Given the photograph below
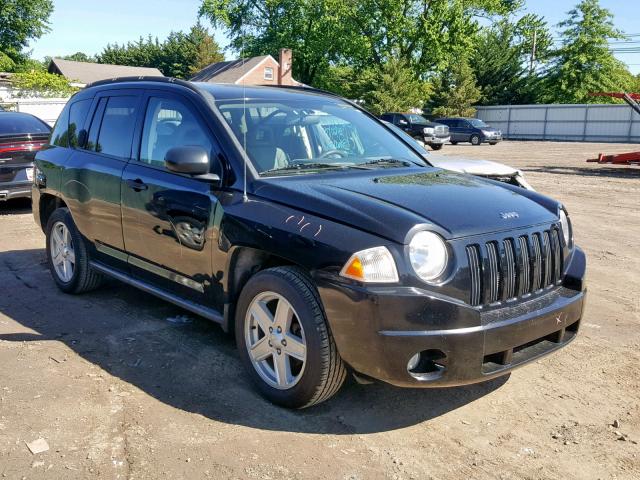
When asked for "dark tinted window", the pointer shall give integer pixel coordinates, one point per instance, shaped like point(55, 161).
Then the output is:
point(168, 124)
point(59, 136)
point(77, 116)
point(116, 129)
point(11, 123)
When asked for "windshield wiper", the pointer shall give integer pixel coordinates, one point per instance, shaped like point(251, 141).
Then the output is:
point(386, 161)
point(304, 166)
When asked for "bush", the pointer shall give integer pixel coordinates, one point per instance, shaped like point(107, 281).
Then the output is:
point(42, 84)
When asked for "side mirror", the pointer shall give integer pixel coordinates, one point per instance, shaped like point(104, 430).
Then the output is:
point(190, 160)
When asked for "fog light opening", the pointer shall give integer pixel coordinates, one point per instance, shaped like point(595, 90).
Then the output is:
point(427, 365)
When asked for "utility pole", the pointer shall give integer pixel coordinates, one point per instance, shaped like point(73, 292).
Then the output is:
point(533, 52)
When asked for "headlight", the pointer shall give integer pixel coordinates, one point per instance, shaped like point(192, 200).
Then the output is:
point(428, 131)
point(374, 265)
point(566, 226)
point(428, 255)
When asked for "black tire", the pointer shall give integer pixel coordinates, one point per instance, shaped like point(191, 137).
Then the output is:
point(437, 146)
point(324, 372)
point(84, 278)
point(453, 143)
point(475, 140)
point(493, 143)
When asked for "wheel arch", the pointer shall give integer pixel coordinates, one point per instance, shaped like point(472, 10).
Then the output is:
point(244, 262)
point(48, 204)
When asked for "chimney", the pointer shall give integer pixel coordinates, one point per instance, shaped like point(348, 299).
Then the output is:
point(286, 64)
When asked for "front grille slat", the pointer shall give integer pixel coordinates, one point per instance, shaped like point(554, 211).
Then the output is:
point(509, 268)
point(546, 248)
point(525, 266)
point(494, 271)
point(537, 263)
point(475, 272)
point(557, 256)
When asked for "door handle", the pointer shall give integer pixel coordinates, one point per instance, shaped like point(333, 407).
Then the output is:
point(137, 185)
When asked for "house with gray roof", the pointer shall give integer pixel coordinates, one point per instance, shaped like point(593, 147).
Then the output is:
point(261, 70)
point(84, 73)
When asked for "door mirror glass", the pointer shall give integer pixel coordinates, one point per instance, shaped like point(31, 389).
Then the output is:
point(190, 160)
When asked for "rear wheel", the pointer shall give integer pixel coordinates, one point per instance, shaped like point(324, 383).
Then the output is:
point(67, 255)
point(493, 143)
point(453, 143)
point(437, 146)
point(284, 340)
point(475, 139)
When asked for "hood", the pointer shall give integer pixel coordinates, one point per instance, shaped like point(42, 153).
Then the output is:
point(390, 202)
point(472, 167)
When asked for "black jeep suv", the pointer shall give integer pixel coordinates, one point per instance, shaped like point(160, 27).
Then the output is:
point(306, 226)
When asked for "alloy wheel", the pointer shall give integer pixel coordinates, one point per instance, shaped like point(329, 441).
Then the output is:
point(63, 255)
point(275, 340)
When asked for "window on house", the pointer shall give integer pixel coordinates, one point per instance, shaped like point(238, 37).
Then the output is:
point(268, 73)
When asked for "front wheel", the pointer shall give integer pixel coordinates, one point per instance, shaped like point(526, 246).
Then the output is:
point(284, 340)
point(437, 146)
point(475, 140)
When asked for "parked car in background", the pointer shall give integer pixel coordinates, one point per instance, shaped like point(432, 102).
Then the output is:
point(304, 224)
point(433, 134)
point(480, 168)
point(21, 136)
point(471, 130)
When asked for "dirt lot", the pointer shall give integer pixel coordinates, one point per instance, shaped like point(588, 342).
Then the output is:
point(122, 385)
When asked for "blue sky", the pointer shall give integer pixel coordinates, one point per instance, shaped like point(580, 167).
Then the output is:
point(89, 25)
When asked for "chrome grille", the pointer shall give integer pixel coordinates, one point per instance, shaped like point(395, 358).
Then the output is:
point(514, 267)
point(442, 130)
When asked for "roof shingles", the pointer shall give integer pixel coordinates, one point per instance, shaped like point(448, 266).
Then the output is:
point(85, 72)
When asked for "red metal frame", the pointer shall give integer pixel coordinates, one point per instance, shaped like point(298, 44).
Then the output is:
point(631, 158)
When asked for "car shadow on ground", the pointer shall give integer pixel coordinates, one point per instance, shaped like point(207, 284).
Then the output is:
point(15, 207)
point(189, 363)
point(594, 171)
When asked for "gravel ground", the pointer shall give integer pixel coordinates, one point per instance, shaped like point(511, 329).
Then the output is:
point(122, 385)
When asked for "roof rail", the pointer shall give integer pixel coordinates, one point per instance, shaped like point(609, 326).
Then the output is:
point(176, 81)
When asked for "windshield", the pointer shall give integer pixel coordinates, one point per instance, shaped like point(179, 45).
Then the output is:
point(309, 134)
point(476, 122)
point(407, 138)
point(417, 119)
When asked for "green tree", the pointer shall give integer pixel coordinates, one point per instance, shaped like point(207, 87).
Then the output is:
point(426, 35)
point(318, 31)
point(80, 57)
point(20, 22)
point(501, 60)
point(455, 92)
point(584, 63)
point(393, 87)
point(180, 55)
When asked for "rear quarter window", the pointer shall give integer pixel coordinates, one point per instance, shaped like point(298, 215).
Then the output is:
point(69, 123)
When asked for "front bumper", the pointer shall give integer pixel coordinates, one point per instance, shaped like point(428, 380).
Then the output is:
point(495, 138)
point(433, 140)
point(379, 329)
